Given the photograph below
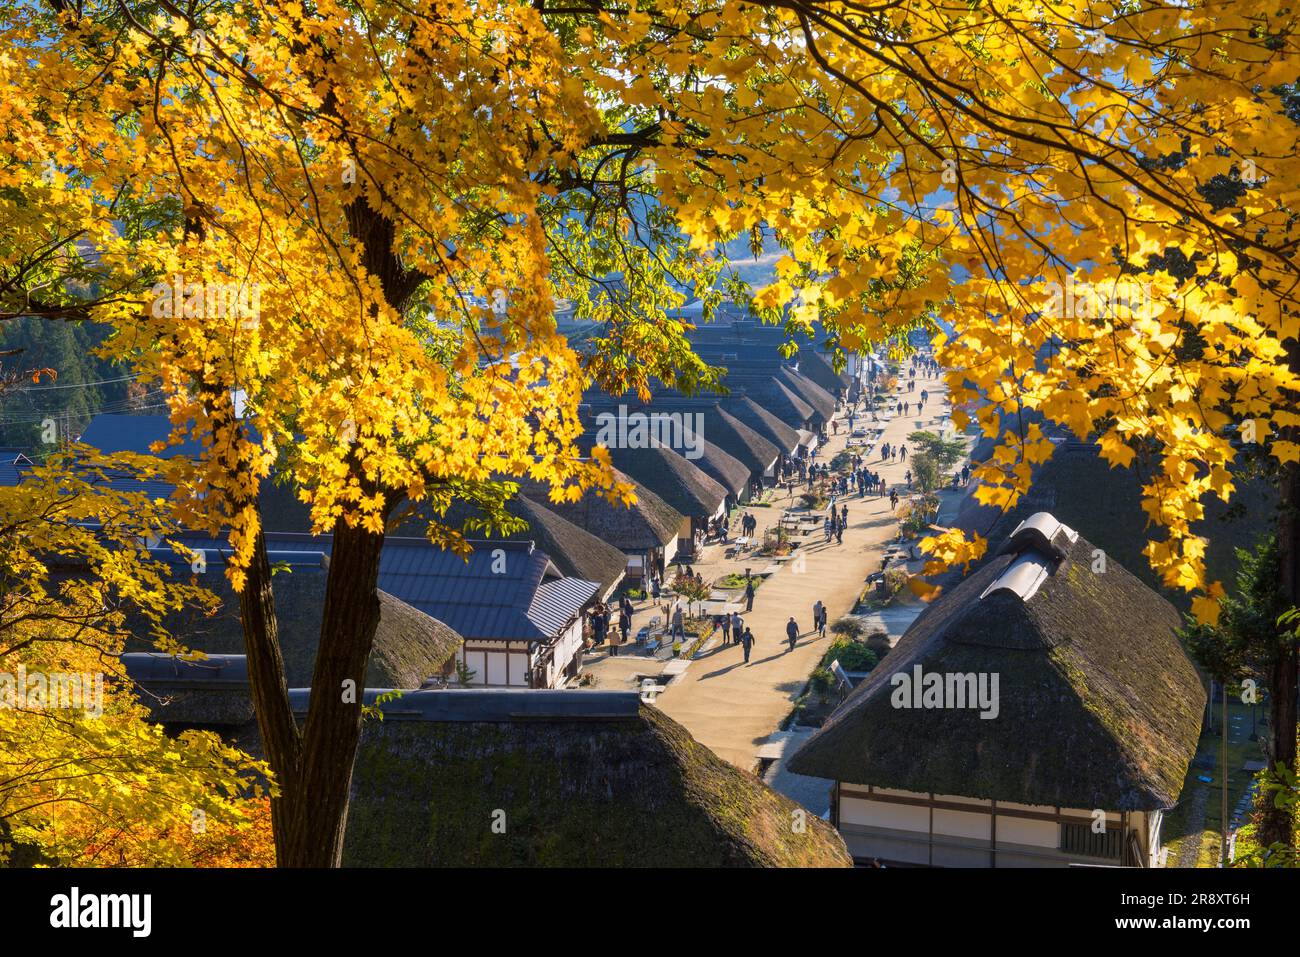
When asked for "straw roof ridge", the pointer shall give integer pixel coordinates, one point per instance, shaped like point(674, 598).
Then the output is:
point(1099, 705)
point(772, 428)
point(650, 522)
point(674, 478)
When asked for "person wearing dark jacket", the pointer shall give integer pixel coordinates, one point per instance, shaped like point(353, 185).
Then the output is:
point(747, 642)
point(749, 594)
point(792, 632)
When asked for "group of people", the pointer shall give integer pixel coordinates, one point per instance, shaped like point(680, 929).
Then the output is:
point(734, 629)
point(748, 524)
point(816, 473)
point(599, 617)
point(835, 523)
point(890, 452)
point(792, 632)
point(924, 365)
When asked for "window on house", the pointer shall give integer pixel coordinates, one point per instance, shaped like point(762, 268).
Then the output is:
point(1080, 839)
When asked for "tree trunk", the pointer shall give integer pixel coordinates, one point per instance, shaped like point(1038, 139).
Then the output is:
point(268, 685)
point(333, 727)
point(314, 767)
point(270, 691)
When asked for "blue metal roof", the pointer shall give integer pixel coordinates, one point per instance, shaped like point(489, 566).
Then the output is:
point(135, 433)
point(557, 601)
point(505, 591)
point(13, 463)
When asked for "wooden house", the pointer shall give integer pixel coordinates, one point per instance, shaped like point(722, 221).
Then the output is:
point(1074, 757)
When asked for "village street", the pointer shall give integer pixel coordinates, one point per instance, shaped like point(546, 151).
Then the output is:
point(733, 707)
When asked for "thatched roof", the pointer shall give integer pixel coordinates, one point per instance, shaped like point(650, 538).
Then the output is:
point(409, 645)
point(673, 478)
point(744, 408)
point(740, 441)
point(1105, 505)
point(648, 523)
point(823, 402)
point(584, 778)
point(816, 365)
point(773, 394)
point(1099, 706)
point(576, 552)
point(721, 428)
point(724, 468)
point(715, 462)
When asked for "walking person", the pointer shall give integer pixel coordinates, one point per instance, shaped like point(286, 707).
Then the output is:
point(893, 498)
point(749, 594)
point(747, 643)
point(679, 623)
point(791, 632)
point(726, 630)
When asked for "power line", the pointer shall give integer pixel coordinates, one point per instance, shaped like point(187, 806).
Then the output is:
point(77, 385)
point(117, 405)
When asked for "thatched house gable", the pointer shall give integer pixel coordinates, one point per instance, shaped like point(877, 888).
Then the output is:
point(1104, 503)
point(576, 552)
point(785, 437)
point(674, 479)
point(776, 396)
point(817, 366)
point(822, 402)
point(724, 468)
point(1099, 706)
point(720, 427)
point(649, 523)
